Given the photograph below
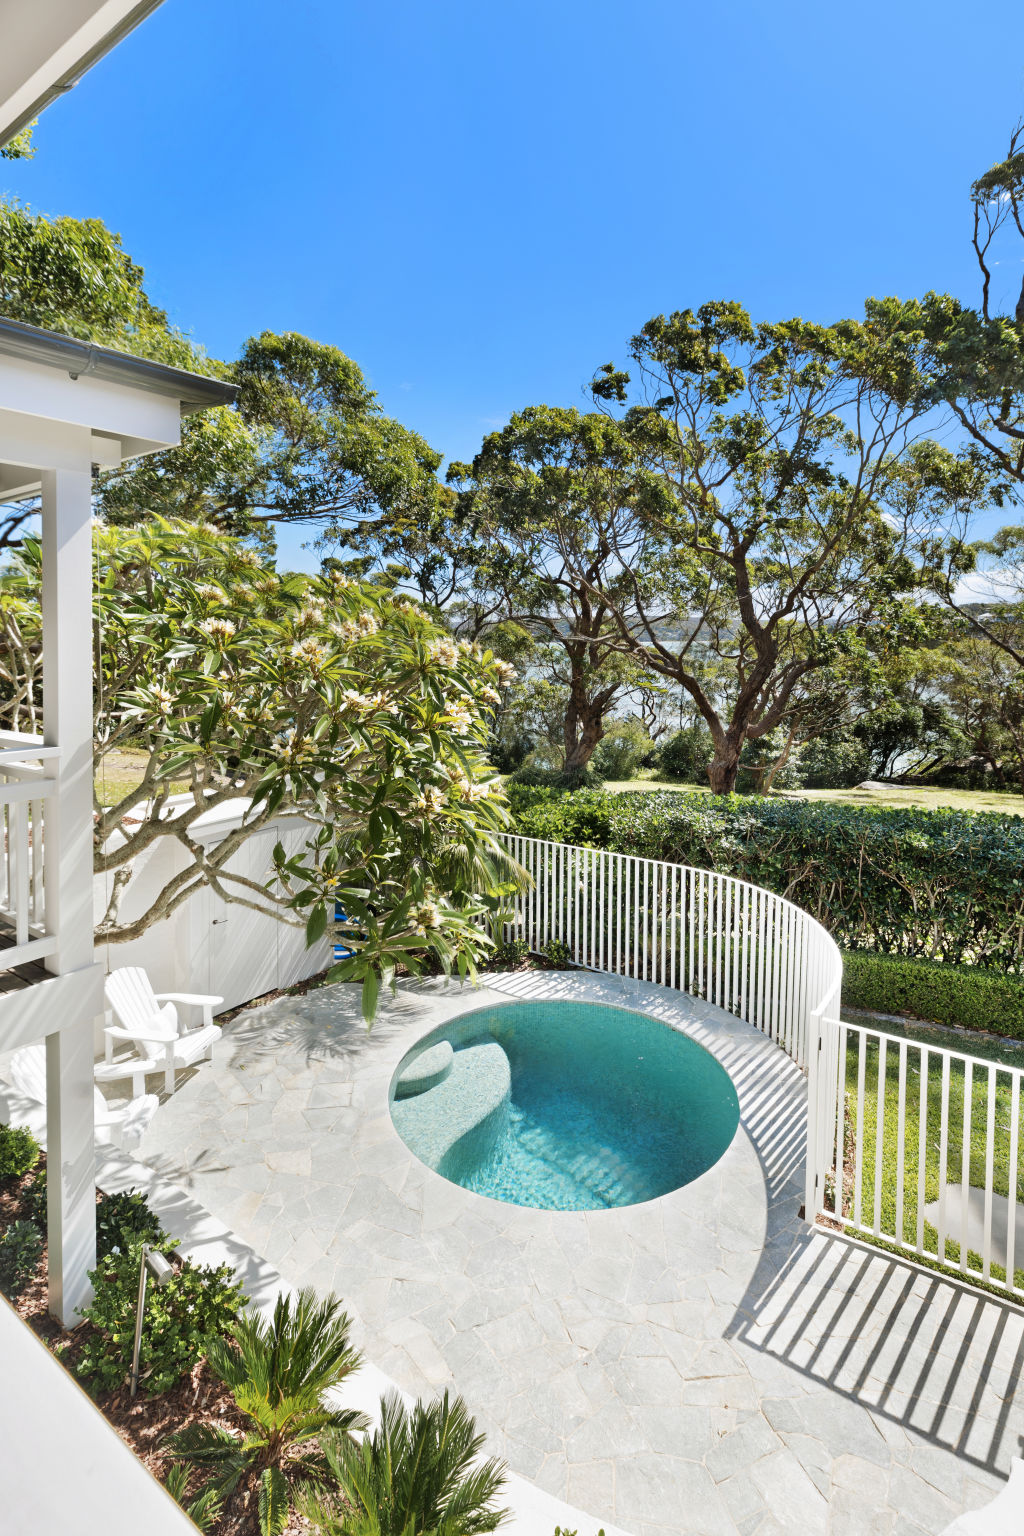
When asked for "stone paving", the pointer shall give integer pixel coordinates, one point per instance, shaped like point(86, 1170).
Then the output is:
point(703, 1363)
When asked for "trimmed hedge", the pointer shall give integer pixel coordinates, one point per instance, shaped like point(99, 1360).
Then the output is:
point(963, 995)
point(944, 885)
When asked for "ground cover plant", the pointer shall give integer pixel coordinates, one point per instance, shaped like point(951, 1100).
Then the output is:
point(939, 884)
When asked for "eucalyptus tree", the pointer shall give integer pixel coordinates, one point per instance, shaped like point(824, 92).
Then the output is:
point(780, 534)
point(553, 504)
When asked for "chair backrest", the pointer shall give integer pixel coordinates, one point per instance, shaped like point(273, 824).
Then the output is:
point(28, 1071)
point(131, 996)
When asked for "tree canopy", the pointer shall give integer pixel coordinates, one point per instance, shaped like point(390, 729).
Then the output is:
point(306, 697)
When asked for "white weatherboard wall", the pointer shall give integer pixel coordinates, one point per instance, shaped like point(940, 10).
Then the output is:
point(209, 945)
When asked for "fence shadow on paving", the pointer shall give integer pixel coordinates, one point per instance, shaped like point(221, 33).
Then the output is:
point(934, 1357)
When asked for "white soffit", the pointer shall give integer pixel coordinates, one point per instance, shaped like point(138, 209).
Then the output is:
point(47, 45)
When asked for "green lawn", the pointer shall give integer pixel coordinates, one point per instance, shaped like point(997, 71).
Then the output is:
point(933, 1127)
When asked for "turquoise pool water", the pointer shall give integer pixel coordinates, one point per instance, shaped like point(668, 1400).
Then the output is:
point(565, 1106)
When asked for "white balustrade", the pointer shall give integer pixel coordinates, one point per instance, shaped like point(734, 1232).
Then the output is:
point(890, 1152)
point(26, 791)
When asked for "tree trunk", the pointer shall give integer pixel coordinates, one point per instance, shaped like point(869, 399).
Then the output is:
point(723, 769)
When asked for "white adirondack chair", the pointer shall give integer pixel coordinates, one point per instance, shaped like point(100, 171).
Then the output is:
point(121, 1124)
point(148, 1022)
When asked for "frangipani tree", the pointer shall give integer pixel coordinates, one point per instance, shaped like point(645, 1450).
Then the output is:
point(300, 696)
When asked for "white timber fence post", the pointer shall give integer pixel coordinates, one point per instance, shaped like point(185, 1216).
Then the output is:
point(67, 724)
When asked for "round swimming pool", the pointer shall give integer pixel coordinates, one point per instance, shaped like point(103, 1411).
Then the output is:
point(563, 1106)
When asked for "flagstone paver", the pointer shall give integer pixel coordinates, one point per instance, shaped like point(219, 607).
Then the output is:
point(702, 1363)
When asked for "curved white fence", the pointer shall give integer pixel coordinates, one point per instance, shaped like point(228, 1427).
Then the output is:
point(743, 948)
point(915, 1147)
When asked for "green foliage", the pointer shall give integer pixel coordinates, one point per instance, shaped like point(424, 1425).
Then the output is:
point(686, 755)
point(558, 953)
point(33, 1201)
point(204, 1510)
point(278, 1371)
point(622, 750)
point(965, 996)
point(21, 146)
point(510, 954)
point(418, 1474)
point(827, 763)
point(556, 778)
point(947, 885)
point(183, 1318)
point(72, 275)
point(123, 1221)
point(19, 1151)
point(310, 695)
point(21, 1245)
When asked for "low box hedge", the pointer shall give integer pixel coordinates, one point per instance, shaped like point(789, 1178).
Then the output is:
point(963, 995)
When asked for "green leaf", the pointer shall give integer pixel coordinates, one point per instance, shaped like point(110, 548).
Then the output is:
point(316, 924)
point(273, 1502)
point(371, 988)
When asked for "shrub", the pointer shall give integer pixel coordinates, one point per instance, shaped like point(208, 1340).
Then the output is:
point(419, 1471)
point(557, 778)
point(962, 995)
point(943, 884)
point(198, 1304)
point(510, 954)
point(279, 1371)
point(19, 1152)
point(557, 953)
point(123, 1221)
point(825, 764)
point(622, 750)
point(686, 755)
point(20, 1247)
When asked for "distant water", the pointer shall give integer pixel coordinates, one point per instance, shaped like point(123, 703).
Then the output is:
point(606, 1107)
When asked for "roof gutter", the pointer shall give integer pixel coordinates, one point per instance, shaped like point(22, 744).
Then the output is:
point(71, 77)
point(196, 391)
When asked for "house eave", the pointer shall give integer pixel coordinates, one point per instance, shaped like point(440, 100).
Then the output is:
point(81, 359)
point(78, 52)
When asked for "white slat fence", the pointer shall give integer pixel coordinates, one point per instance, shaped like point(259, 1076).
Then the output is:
point(908, 1174)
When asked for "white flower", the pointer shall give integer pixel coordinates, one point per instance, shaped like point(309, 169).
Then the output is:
point(217, 629)
point(506, 673)
point(444, 652)
point(490, 695)
point(355, 700)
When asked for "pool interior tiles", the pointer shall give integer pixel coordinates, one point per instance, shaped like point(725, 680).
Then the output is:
point(565, 1106)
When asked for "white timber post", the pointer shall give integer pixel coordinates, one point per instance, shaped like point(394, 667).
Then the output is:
point(67, 724)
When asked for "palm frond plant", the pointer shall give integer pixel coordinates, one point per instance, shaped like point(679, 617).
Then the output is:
point(278, 1371)
point(418, 1474)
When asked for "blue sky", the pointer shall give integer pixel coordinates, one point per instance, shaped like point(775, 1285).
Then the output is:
point(481, 202)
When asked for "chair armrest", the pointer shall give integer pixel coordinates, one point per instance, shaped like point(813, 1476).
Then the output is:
point(187, 997)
